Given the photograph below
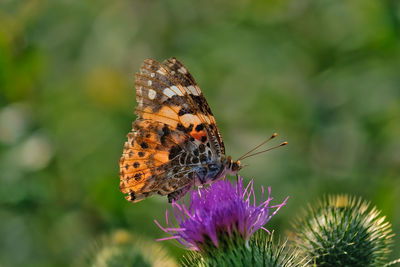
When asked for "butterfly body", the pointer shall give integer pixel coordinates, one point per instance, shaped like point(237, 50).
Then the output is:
point(175, 143)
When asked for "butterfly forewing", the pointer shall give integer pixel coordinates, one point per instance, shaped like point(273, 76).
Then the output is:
point(183, 77)
point(173, 135)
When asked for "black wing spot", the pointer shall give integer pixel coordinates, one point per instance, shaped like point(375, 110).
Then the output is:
point(141, 154)
point(132, 195)
point(136, 164)
point(137, 176)
point(144, 145)
point(182, 128)
point(175, 100)
point(199, 127)
point(165, 132)
point(184, 111)
point(202, 148)
point(203, 158)
point(173, 152)
point(208, 144)
point(203, 138)
point(163, 140)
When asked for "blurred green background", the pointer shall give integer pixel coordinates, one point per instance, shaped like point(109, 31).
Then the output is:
point(323, 74)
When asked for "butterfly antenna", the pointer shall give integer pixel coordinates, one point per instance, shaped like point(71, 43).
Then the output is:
point(283, 144)
point(270, 138)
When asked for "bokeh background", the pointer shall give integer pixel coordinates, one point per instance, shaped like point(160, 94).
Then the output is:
point(324, 74)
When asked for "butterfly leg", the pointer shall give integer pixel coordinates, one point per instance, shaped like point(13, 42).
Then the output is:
point(178, 194)
point(198, 189)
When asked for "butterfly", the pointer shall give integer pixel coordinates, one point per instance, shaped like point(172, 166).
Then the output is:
point(175, 143)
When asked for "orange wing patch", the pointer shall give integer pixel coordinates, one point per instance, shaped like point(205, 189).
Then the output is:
point(198, 132)
point(166, 115)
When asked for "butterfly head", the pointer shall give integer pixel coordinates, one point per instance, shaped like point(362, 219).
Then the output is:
point(236, 166)
point(232, 166)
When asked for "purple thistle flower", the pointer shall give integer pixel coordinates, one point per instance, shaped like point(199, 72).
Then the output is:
point(219, 214)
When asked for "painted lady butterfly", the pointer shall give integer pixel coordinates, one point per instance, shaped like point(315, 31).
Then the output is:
point(175, 143)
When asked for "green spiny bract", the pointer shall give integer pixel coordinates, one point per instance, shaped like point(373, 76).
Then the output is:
point(343, 231)
point(261, 250)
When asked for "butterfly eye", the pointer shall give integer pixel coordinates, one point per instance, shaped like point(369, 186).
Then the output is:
point(236, 166)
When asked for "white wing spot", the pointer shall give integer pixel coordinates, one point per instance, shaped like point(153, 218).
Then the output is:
point(182, 70)
point(149, 83)
point(152, 74)
point(173, 90)
point(161, 71)
point(152, 94)
point(192, 90)
point(168, 92)
point(177, 90)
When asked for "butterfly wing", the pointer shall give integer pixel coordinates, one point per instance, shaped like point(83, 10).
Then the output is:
point(183, 77)
point(173, 135)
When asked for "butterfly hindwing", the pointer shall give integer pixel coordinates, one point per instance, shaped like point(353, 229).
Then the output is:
point(146, 158)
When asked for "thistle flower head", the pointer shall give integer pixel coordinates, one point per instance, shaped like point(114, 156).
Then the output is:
point(122, 248)
point(220, 215)
point(344, 231)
